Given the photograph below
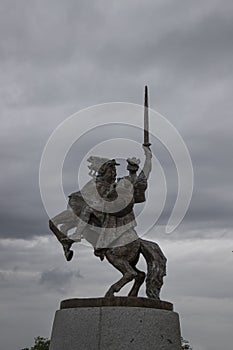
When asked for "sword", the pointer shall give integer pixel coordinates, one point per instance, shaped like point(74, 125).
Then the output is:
point(146, 142)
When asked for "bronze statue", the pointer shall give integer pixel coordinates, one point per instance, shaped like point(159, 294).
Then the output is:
point(102, 213)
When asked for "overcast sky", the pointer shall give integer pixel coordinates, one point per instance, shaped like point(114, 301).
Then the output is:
point(58, 57)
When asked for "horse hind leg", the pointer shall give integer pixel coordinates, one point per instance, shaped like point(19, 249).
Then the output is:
point(139, 279)
point(128, 275)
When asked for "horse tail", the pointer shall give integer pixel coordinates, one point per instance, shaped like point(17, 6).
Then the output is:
point(156, 267)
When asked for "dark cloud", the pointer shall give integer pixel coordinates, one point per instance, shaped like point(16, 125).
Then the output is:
point(57, 58)
point(58, 279)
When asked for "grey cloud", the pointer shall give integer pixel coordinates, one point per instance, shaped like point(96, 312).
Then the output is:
point(58, 57)
point(201, 45)
point(58, 279)
point(44, 33)
point(32, 282)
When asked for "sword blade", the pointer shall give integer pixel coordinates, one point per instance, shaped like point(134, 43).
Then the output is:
point(146, 119)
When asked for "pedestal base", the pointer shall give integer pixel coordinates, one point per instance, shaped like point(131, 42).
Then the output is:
point(98, 324)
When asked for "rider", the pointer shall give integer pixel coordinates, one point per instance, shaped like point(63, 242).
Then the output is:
point(113, 224)
point(120, 224)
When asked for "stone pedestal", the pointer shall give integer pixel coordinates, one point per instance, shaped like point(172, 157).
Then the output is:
point(119, 323)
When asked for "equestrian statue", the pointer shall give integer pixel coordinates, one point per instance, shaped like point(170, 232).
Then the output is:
point(102, 213)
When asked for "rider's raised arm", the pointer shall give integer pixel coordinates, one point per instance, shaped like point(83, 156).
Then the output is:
point(147, 165)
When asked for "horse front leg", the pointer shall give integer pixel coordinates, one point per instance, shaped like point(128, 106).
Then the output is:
point(116, 287)
point(128, 275)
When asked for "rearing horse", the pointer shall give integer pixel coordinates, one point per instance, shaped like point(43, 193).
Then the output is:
point(125, 258)
point(122, 253)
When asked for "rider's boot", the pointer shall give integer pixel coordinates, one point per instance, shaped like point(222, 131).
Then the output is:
point(67, 243)
point(63, 239)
